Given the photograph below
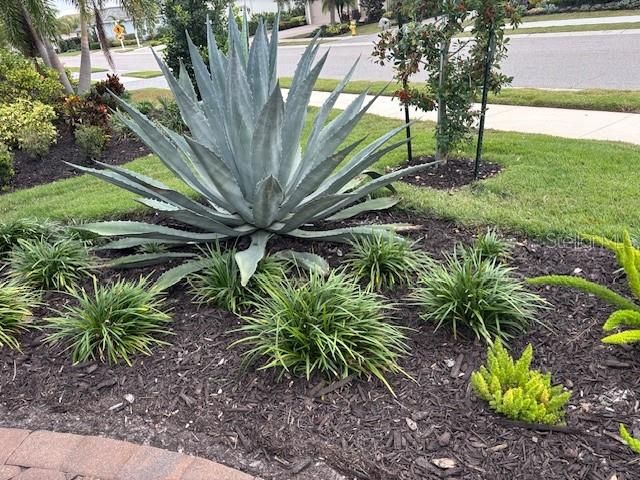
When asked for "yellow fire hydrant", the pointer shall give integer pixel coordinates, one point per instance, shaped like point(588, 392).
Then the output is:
point(352, 26)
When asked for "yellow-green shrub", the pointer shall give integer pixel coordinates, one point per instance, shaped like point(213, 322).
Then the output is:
point(6, 165)
point(632, 442)
point(628, 313)
point(515, 391)
point(24, 120)
point(20, 79)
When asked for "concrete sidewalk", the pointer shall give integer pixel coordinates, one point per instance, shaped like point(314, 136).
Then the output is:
point(559, 122)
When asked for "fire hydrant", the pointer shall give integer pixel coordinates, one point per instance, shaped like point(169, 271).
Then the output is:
point(352, 26)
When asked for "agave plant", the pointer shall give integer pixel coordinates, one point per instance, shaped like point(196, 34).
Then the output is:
point(244, 160)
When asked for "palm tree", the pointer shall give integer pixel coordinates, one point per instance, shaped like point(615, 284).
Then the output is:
point(332, 5)
point(29, 26)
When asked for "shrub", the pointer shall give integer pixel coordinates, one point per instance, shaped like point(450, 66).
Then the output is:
point(514, 390)
point(16, 302)
point(632, 442)
point(373, 9)
point(168, 115)
point(113, 323)
point(25, 229)
point(490, 246)
point(81, 111)
point(628, 313)
point(27, 125)
point(145, 107)
point(6, 166)
point(326, 325)
point(99, 92)
point(19, 79)
point(55, 265)
point(331, 30)
point(384, 262)
point(479, 295)
point(243, 159)
point(219, 283)
point(91, 139)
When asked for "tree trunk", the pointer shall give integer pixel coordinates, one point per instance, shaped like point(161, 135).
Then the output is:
point(37, 39)
point(332, 13)
point(442, 145)
point(84, 82)
point(57, 64)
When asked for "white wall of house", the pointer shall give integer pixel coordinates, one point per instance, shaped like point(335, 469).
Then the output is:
point(259, 6)
point(315, 15)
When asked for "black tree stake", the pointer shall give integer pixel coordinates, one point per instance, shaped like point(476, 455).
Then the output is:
point(406, 107)
point(485, 93)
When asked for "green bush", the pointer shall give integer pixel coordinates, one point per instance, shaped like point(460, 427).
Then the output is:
point(50, 265)
point(491, 246)
point(219, 283)
point(331, 30)
point(628, 313)
point(6, 166)
point(27, 125)
point(19, 79)
point(168, 115)
point(326, 325)
point(514, 390)
point(475, 294)
point(16, 302)
point(384, 262)
point(112, 323)
point(145, 107)
point(26, 229)
point(91, 139)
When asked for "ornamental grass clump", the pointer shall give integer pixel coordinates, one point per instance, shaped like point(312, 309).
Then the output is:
point(628, 313)
point(25, 229)
point(327, 325)
point(517, 392)
point(111, 323)
point(491, 246)
point(384, 262)
point(16, 302)
point(219, 283)
point(50, 265)
point(250, 172)
point(482, 296)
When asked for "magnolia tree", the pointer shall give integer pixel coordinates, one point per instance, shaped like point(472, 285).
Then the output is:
point(453, 67)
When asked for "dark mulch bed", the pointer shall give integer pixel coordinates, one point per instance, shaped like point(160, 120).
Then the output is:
point(454, 173)
point(31, 171)
point(194, 397)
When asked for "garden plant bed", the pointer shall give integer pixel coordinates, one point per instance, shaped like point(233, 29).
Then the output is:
point(193, 396)
point(454, 173)
point(31, 171)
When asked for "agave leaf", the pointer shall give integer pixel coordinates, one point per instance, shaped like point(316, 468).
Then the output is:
point(248, 259)
point(346, 235)
point(146, 259)
point(381, 203)
point(184, 80)
point(266, 143)
point(310, 261)
point(175, 275)
point(127, 243)
point(268, 199)
point(147, 230)
point(258, 66)
point(310, 209)
point(217, 61)
point(273, 52)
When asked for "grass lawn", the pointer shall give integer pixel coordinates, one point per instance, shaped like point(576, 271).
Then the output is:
point(150, 94)
point(93, 69)
point(575, 28)
point(143, 74)
point(608, 100)
point(573, 15)
point(549, 186)
point(366, 29)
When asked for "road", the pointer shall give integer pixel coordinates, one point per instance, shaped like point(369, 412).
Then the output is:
point(555, 60)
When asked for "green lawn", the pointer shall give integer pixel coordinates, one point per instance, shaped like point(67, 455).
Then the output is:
point(608, 100)
point(549, 186)
point(93, 69)
point(143, 74)
point(573, 15)
point(575, 28)
point(150, 94)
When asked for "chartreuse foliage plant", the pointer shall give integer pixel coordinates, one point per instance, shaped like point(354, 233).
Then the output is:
point(632, 442)
point(50, 265)
point(218, 283)
point(28, 125)
point(628, 313)
point(244, 159)
point(16, 302)
point(326, 324)
point(479, 295)
point(383, 262)
point(111, 323)
point(514, 390)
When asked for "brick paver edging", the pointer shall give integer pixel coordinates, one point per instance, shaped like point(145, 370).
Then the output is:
point(44, 455)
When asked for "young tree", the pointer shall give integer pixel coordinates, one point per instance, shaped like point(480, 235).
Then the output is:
point(191, 16)
point(453, 67)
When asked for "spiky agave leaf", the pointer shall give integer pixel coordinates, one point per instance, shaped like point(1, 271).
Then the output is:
point(244, 156)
